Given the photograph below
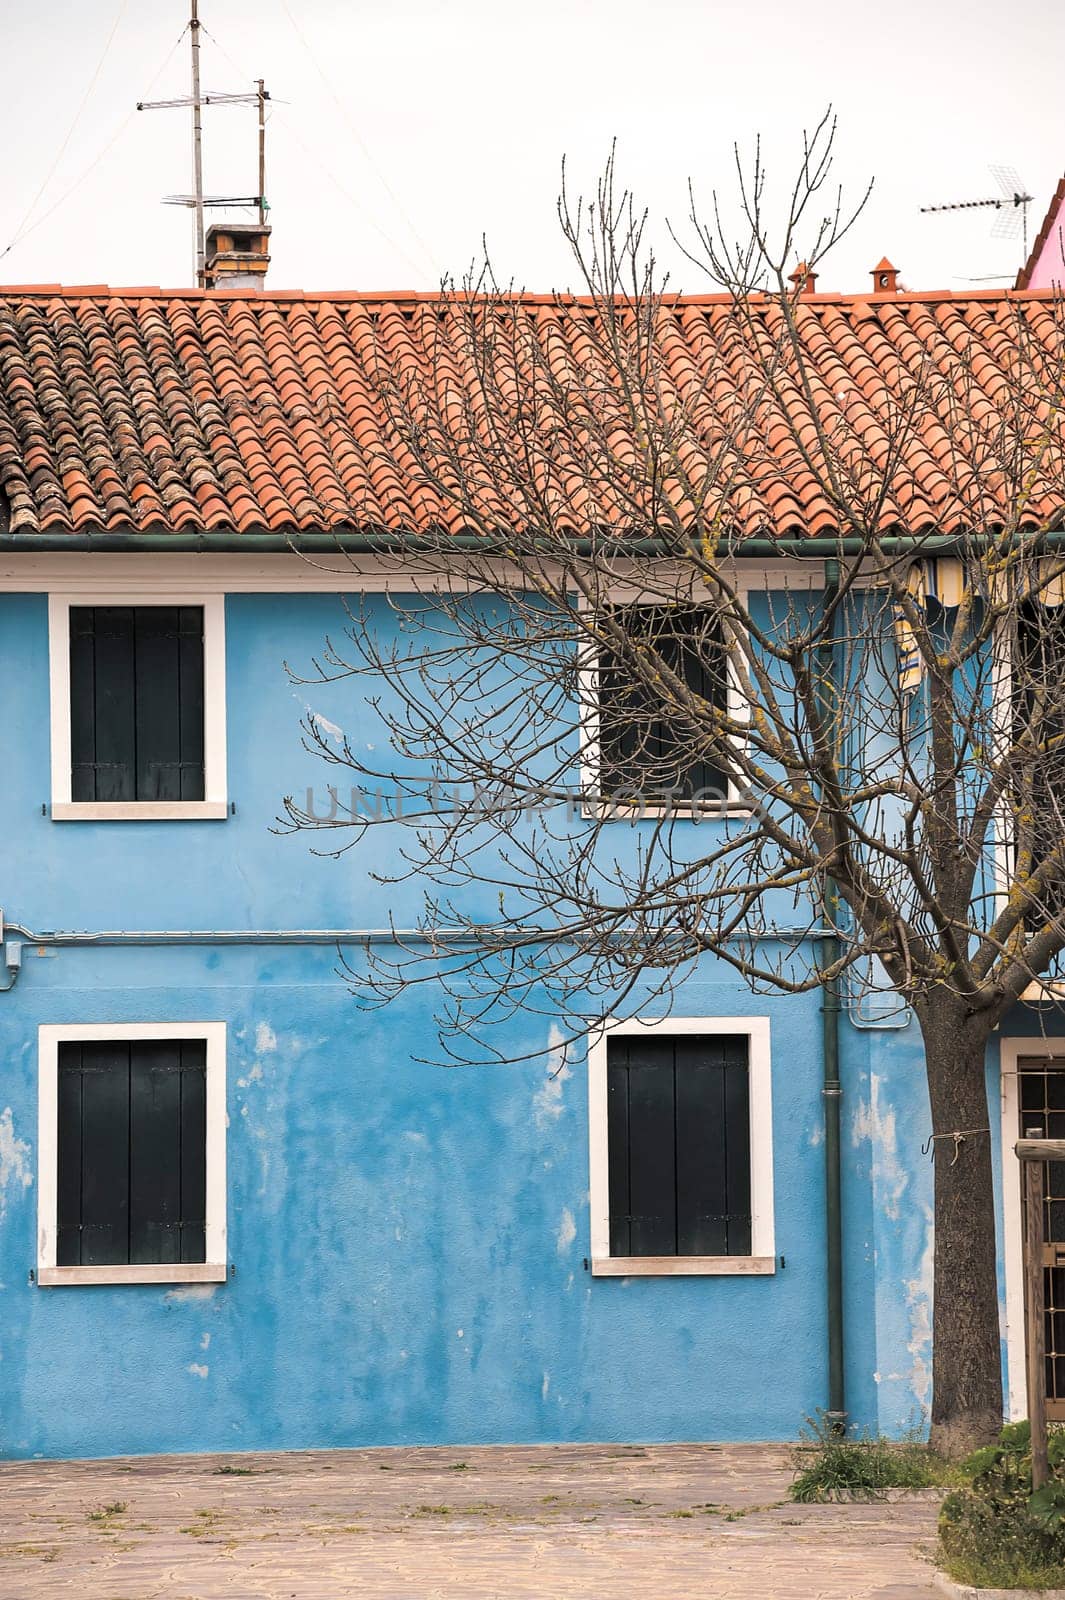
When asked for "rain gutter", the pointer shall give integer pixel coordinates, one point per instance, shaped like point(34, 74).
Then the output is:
point(383, 542)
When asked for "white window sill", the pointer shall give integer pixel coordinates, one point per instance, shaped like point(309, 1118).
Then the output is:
point(683, 1266)
point(1048, 989)
point(140, 810)
point(162, 1272)
point(623, 811)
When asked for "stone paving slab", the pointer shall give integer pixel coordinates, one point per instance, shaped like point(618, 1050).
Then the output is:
point(661, 1522)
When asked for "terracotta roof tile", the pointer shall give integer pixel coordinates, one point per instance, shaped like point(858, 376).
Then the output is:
point(242, 411)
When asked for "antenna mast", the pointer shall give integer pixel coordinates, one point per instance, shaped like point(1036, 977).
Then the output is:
point(262, 98)
point(198, 202)
point(197, 140)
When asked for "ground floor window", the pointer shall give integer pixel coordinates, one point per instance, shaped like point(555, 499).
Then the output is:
point(132, 1153)
point(681, 1147)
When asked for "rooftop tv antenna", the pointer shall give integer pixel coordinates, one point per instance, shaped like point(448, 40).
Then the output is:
point(1011, 205)
point(198, 202)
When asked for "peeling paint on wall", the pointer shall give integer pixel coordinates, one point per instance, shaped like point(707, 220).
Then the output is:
point(14, 1159)
point(322, 724)
point(548, 1101)
point(567, 1232)
point(876, 1123)
point(196, 1370)
point(919, 1308)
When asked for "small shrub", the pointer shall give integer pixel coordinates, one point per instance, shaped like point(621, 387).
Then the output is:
point(995, 1533)
point(103, 1513)
point(832, 1465)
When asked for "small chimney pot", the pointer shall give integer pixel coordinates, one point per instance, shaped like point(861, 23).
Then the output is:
point(885, 277)
point(804, 279)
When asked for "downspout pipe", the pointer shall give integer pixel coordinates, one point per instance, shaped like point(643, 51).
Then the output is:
point(832, 1093)
point(831, 1087)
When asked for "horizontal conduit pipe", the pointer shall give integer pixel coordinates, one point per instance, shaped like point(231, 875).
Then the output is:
point(317, 936)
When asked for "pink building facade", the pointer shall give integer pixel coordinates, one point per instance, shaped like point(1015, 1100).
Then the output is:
point(1045, 267)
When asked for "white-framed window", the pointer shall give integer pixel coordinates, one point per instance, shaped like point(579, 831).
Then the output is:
point(681, 1147)
point(138, 706)
point(626, 764)
point(131, 1153)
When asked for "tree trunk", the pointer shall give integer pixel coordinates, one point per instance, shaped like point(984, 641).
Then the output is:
point(966, 1352)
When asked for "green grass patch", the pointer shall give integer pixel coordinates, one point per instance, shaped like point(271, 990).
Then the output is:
point(831, 1464)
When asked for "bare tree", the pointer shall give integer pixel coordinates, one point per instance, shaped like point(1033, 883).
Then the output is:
point(826, 772)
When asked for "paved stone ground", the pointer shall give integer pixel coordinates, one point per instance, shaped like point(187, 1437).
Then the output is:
point(676, 1522)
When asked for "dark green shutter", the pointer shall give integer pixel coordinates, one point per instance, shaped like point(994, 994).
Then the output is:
point(1041, 660)
point(131, 1167)
point(678, 1145)
point(137, 703)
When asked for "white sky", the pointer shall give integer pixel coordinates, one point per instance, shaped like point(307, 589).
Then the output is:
point(414, 126)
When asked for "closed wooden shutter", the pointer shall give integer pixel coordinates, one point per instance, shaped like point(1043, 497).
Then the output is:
point(1038, 676)
point(136, 702)
point(641, 750)
point(132, 1182)
point(678, 1146)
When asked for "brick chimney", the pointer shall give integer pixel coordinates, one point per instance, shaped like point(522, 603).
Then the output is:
point(885, 278)
point(237, 255)
point(804, 279)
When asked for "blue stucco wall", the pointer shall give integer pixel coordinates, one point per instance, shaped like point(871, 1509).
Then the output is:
point(407, 1240)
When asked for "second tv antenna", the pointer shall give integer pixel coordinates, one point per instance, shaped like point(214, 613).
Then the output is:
point(1011, 205)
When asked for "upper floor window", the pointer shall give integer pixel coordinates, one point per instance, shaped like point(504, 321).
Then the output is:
point(1037, 707)
point(138, 708)
point(646, 755)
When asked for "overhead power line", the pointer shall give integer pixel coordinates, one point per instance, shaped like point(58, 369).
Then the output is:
point(338, 183)
point(83, 102)
point(355, 131)
point(27, 227)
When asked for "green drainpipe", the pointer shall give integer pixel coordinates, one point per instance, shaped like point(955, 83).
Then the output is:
point(831, 1093)
point(831, 1090)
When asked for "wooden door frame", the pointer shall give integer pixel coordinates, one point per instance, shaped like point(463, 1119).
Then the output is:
point(1011, 1049)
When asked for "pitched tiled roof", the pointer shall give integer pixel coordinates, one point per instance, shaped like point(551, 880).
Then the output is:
point(197, 412)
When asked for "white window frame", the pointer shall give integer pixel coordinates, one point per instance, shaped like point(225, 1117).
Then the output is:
point(215, 804)
point(211, 1270)
point(603, 807)
point(1003, 838)
point(762, 1259)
